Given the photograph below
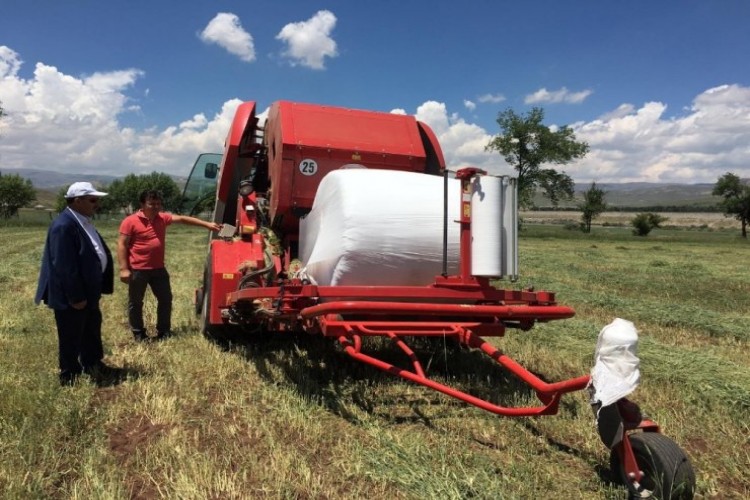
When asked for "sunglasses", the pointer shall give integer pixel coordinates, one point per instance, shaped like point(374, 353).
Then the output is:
point(91, 199)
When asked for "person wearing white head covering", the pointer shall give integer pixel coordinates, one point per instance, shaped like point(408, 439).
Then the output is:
point(77, 268)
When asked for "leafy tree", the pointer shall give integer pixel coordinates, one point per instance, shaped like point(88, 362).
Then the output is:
point(125, 193)
point(592, 206)
point(527, 144)
point(736, 200)
point(645, 222)
point(60, 202)
point(15, 192)
point(105, 204)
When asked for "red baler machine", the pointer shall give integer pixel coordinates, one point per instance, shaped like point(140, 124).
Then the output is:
point(267, 181)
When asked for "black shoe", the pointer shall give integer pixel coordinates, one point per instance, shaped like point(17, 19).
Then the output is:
point(103, 374)
point(164, 336)
point(141, 337)
point(98, 368)
point(68, 379)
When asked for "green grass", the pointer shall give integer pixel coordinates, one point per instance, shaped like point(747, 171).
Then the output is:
point(294, 417)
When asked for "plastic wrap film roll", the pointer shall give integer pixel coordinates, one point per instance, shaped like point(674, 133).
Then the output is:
point(616, 365)
point(379, 227)
point(494, 227)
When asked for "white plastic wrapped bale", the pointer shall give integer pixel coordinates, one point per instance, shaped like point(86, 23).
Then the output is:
point(379, 227)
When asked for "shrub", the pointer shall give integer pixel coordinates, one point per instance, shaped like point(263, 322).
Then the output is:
point(645, 222)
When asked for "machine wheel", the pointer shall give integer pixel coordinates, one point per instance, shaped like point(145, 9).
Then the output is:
point(199, 301)
point(212, 332)
point(205, 325)
point(666, 468)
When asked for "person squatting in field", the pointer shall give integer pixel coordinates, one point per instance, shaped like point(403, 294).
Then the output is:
point(140, 253)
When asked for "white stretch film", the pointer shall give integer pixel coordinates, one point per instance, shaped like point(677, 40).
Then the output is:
point(510, 228)
point(486, 226)
point(379, 227)
point(615, 373)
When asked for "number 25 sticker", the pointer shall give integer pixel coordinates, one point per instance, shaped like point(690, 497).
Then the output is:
point(308, 167)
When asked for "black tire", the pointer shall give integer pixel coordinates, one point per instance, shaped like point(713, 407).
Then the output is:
point(205, 325)
point(667, 471)
point(199, 301)
point(211, 332)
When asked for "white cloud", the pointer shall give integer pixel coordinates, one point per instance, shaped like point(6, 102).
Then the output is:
point(198, 121)
point(491, 98)
point(556, 96)
point(174, 149)
point(470, 105)
point(10, 62)
point(63, 123)
point(225, 30)
point(462, 143)
point(629, 144)
point(622, 110)
point(309, 42)
point(66, 123)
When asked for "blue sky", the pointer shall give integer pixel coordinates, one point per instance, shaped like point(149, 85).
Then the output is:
point(659, 90)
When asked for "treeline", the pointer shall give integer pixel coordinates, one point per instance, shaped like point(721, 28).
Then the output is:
point(649, 208)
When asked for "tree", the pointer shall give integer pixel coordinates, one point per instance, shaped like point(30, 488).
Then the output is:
point(15, 192)
point(60, 202)
point(593, 204)
point(526, 144)
point(105, 205)
point(736, 200)
point(125, 193)
point(645, 222)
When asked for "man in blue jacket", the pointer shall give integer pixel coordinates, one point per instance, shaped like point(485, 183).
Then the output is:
point(76, 270)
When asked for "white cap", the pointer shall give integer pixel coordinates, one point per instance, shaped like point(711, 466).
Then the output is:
point(82, 189)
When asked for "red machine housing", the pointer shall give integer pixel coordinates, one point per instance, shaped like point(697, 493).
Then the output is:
point(304, 142)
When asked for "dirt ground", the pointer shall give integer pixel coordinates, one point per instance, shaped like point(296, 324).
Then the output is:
point(680, 219)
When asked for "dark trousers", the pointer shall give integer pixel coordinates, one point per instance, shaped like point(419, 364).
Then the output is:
point(158, 280)
point(79, 334)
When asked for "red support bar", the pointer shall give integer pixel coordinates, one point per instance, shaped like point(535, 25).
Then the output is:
point(444, 290)
point(412, 357)
point(510, 312)
point(539, 385)
point(548, 409)
point(549, 394)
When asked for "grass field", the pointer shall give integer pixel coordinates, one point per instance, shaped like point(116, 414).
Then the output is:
point(293, 417)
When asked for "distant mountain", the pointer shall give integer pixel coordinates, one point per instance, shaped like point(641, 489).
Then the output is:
point(627, 194)
point(43, 179)
point(646, 194)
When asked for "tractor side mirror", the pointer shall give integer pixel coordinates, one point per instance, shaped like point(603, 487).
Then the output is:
point(211, 170)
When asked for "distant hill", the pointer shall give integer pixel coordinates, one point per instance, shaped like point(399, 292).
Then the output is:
point(48, 184)
point(636, 194)
point(619, 195)
point(43, 179)
point(646, 194)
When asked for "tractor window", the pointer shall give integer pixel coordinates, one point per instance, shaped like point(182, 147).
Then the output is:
point(200, 190)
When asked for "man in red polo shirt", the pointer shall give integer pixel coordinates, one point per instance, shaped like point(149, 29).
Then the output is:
point(140, 252)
